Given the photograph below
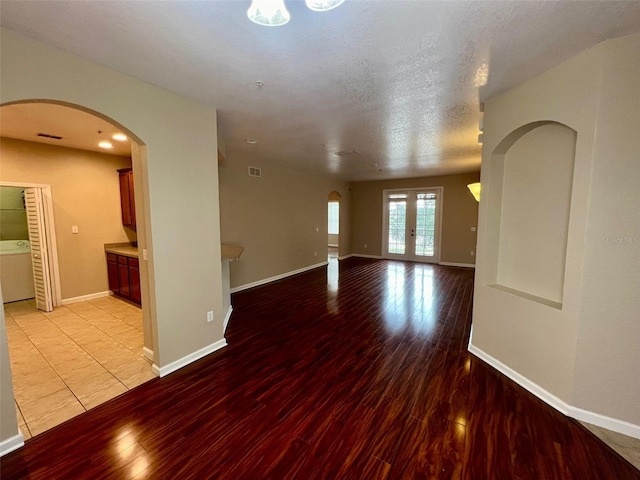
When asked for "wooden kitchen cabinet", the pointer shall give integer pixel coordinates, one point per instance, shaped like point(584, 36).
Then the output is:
point(134, 280)
point(112, 270)
point(124, 276)
point(127, 199)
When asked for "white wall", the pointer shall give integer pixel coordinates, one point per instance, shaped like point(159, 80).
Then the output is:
point(579, 358)
point(180, 183)
point(608, 349)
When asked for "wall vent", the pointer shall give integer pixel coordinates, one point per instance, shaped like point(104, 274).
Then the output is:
point(47, 135)
point(255, 172)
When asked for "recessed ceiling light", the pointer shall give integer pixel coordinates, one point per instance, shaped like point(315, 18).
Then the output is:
point(251, 141)
point(105, 144)
point(121, 137)
point(259, 84)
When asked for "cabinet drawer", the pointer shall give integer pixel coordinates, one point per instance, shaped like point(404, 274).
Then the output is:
point(133, 262)
point(112, 257)
point(122, 259)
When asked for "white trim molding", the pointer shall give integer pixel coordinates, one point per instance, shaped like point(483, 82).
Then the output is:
point(344, 257)
point(603, 421)
point(12, 443)
point(227, 317)
point(454, 264)
point(82, 298)
point(563, 407)
point(148, 353)
point(187, 359)
point(277, 277)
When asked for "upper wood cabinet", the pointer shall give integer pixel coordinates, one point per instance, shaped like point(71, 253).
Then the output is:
point(127, 199)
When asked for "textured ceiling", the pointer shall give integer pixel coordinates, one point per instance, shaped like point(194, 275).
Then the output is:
point(393, 85)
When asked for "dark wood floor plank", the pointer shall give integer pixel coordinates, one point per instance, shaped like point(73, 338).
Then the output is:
point(364, 376)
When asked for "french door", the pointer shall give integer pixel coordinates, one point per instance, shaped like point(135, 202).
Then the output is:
point(411, 229)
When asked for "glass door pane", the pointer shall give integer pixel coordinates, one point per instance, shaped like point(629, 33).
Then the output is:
point(425, 224)
point(397, 223)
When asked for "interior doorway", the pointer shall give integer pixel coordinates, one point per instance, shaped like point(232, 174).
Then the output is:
point(333, 216)
point(72, 350)
point(412, 224)
point(27, 212)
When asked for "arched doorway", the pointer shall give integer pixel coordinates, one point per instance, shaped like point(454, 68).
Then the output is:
point(106, 372)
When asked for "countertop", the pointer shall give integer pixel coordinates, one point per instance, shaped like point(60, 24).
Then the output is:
point(229, 252)
point(125, 251)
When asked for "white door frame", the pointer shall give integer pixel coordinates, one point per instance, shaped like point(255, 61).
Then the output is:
point(51, 245)
point(438, 225)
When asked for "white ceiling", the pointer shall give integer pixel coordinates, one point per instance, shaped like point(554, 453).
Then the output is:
point(395, 81)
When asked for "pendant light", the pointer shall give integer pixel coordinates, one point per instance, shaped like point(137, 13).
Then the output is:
point(475, 188)
point(323, 5)
point(270, 13)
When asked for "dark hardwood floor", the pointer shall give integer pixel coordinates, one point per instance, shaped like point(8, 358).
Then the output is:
point(365, 376)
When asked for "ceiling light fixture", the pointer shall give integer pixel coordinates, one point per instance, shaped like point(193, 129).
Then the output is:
point(120, 137)
point(105, 144)
point(251, 141)
point(323, 5)
point(269, 13)
point(273, 13)
point(474, 188)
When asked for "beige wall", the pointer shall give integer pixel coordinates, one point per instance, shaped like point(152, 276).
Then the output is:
point(179, 176)
point(460, 213)
point(530, 198)
point(581, 357)
point(280, 218)
point(86, 193)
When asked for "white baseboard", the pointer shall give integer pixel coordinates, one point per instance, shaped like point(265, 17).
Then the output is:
point(603, 421)
point(227, 317)
point(593, 418)
point(187, 359)
point(82, 298)
point(11, 444)
point(344, 257)
point(333, 245)
point(277, 277)
point(148, 353)
point(454, 264)
point(362, 255)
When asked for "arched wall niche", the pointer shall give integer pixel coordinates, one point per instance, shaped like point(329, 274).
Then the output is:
point(529, 200)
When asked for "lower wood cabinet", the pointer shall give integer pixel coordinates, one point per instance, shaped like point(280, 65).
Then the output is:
point(124, 276)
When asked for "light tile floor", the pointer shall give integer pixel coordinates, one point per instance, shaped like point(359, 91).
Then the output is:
point(627, 447)
point(70, 360)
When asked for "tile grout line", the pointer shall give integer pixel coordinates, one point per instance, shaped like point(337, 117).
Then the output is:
point(68, 336)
